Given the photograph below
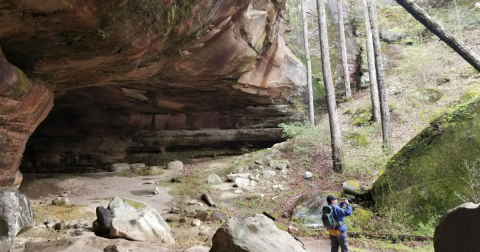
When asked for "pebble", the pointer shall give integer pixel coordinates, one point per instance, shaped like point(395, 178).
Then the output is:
point(148, 182)
point(238, 191)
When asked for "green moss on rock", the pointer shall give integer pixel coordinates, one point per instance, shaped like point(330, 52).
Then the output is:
point(423, 177)
point(424, 96)
point(358, 139)
point(469, 94)
point(362, 117)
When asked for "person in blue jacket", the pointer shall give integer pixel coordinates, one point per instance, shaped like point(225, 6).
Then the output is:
point(338, 236)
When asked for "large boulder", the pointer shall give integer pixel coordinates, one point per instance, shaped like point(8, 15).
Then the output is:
point(119, 207)
point(426, 175)
point(16, 215)
point(104, 218)
point(146, 225)
point(253, 234)
point(458, 229)
point(308, 209)
point(175, 166)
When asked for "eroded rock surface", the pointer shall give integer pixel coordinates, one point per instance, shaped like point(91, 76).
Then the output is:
point(23, 105)
point(253, 234)
point(16, 215)
point(135, 80)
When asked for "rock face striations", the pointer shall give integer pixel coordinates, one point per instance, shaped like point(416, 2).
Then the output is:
point(138, 79)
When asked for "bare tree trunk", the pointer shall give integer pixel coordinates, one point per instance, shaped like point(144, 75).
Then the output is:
point(343, 48)
point(309, 66)
point(437, 29)
point(371, 66)
point(386, 131)
point(337, 153)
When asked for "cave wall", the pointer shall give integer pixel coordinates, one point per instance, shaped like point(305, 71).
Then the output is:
point(133, 78)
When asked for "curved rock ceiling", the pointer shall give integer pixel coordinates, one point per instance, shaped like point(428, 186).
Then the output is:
point(147, 76)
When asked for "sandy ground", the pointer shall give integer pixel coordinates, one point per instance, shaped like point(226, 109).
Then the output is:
point(96, 189)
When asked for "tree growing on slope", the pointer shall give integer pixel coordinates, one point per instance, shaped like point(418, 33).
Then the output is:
point(336, 139)
point(343, 49)
point(385, 113)
point(309, 65)
point(371, 66)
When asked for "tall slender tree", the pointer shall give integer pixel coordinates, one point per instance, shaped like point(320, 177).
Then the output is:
point(343, 49)
point(309, 65)
point(436, 28)
point(386, 130)
point(371, 66)
point(336, 139)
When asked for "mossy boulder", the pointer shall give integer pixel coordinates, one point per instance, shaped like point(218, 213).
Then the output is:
point(351, 187)
point(358, 139)
point(424, 176)
point(424, 96)
point(362, 117)
point(470, 93)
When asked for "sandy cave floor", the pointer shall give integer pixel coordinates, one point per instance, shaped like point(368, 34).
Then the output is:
point(87, 191)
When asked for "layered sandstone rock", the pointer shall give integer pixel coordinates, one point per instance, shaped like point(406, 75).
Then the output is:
point(141, 78)
point(23, 105)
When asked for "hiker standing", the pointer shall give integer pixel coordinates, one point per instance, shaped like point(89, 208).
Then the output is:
point(338, 235)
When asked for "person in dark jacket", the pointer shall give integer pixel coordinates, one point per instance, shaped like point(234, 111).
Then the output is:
point(338, 236)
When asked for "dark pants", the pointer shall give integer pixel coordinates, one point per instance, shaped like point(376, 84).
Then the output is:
point(339, 240)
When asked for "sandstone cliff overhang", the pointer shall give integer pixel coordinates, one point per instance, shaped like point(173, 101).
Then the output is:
point(145, 76)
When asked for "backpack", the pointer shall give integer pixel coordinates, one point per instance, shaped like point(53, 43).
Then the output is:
point(329, 222)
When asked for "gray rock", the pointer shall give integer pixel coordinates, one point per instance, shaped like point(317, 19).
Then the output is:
point(175, 166)
point(16, 215)
point(114, 248)
point(119, 207)
point(214, 179)
point(257, 167)
point(156, 190)
point(351, 187)
point(119, 167)
point(245, 183)
point(239, 169)
point(253, 234)
point(146, 225)
point(238, 191)
point(197, 249)
point(458, 229)
point(308, 209)
point(205, 231)
point(232, 177)
point(279, 164)
point(104, 218)
point(350, 197)
point(308, 175)
point(137, 167)
point(263, 161)
point(219, 216)
point(60, 201)
point(268, 174)
point(196, 223)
